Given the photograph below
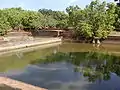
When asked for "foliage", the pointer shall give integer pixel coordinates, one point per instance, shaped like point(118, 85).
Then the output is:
point(55, 18)
point(17, 18)
point(4, 24)
point(31, 19)
point(117, 20)
point(96, 20)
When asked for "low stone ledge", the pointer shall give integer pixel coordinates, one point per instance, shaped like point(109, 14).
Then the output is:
point(24, 45)
point(18, 84)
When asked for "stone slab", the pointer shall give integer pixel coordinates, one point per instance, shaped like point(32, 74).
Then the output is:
point(17, 85)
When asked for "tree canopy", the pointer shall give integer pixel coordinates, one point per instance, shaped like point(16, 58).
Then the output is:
point(17, 18)
point(97, 19)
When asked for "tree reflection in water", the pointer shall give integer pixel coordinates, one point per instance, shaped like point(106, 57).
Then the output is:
point(96, 66)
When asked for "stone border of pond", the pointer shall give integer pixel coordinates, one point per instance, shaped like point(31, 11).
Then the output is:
point(29, 44)
point(29, 49)
point(18, 84)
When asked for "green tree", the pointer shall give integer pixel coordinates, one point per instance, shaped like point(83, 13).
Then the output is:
point(52, 18)
point(72, 10)
point(4, 24)
point(96, 20)
point(46, 12)
point(31, 19)
point(13, 16)
point(117, 20)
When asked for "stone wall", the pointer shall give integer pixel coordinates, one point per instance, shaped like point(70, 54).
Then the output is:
point(17, 84)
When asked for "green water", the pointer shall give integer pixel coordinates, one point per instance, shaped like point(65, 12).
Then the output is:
point(69, 66)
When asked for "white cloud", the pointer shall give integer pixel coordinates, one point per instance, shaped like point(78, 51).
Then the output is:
point(71, 1)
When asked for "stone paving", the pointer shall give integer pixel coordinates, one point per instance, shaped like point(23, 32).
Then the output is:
point(16, 85)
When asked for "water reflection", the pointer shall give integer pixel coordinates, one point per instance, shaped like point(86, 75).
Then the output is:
point(69, 66)
point(95, 66)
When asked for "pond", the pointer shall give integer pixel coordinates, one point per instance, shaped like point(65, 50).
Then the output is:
point(69, 66)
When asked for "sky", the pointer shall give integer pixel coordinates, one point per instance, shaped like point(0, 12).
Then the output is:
point(48, 4)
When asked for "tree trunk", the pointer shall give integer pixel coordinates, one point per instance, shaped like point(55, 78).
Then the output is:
point(93, 41)
point(98, 41)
